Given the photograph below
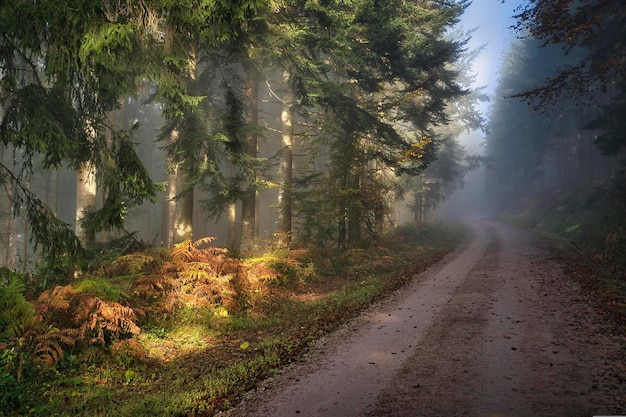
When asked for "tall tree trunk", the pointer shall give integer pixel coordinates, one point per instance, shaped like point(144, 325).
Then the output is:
point(232, 223)
point(12, 252)
point(286, 164)
point(179, 203)
point(170, 228)
point(183, 218)
point(85, 200)
point(184, 203)
point(248, 204)
point(8, 222)
point(417, 210)
point(379, 219)
point(380, 206)
point(24, 256)
point(51, 192)
point(355, 212)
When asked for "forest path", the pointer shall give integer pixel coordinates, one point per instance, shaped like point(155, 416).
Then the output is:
point(492, 330)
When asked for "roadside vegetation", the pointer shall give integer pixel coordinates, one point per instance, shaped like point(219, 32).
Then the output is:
point(587, 229)
point(185, 332)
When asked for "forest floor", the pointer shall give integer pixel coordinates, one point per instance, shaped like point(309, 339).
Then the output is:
point(195, 356)
point(498, 328)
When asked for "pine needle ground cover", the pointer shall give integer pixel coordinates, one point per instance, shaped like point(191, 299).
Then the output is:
point(186, 332)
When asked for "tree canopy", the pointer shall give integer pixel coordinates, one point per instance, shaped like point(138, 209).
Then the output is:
point(377, 76)
point(64, 65)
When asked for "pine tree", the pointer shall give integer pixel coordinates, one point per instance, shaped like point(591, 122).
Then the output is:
point(65, 66)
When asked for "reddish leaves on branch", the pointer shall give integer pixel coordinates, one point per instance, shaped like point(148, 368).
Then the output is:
point(597, 26)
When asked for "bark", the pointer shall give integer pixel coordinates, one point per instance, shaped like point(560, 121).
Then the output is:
point(166, 220)
point(183, 217)
point(8, 224)
point(379, 208)
point(184, 202)
point(248, 204)
point(232, 217)
point(286, 165)
point(379, 220)
point(418, 210)
point(355, 217)
point(179, 203)
point(85, 200)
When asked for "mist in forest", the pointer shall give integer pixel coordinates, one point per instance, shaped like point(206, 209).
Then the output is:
point(254, 152)
point(469, 199)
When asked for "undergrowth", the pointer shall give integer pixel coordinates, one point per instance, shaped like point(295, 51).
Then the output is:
point(186, 332)
point(587, 231)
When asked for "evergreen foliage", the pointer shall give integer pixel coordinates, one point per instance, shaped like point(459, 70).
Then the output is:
point(381, 76)
point(395, 84)
point(65, 65)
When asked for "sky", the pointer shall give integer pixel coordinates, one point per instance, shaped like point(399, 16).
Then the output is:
point(492, 18)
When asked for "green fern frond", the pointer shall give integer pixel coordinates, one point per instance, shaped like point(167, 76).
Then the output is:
point(16, 314)
point(101, 288)
point(194, 274)
point(134, 262)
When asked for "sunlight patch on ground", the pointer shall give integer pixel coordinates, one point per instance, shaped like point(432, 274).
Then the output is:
point(181, 341)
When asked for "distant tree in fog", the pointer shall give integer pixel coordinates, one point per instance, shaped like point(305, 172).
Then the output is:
point(595, 30)
point(596, 26)
point(530, 153)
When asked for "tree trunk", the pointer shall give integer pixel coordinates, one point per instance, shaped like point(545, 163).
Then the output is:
point(417, 210)
point(8, 224)
point(379, 219)
point(286, 164)
point(184, 204)
point(379, 208)
point(183, 218)
point(12, 241)
point(85, 200)
point(232, 218)
point(248, 204)
point(179, 203)
point(355, 211)
point(167, 210)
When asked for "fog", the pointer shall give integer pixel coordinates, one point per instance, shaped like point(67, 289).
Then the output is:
point(529, 157)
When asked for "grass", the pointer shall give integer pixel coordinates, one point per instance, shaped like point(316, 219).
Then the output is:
point(197, 359)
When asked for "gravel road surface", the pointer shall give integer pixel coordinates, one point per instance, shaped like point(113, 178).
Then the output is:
point(494, 330)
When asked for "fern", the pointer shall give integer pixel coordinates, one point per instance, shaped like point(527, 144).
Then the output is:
point(203, 241)
point(81, 317)
point(131, 264)
point(48, 351)
point(57, 299)
point(101, 288)
point(16, 314)
point(117, 319)
point(206, 275)
point(195, 271)
point(183, 252)
point(188, 251)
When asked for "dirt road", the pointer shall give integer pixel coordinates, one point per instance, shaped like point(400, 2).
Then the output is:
point(493, 330)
